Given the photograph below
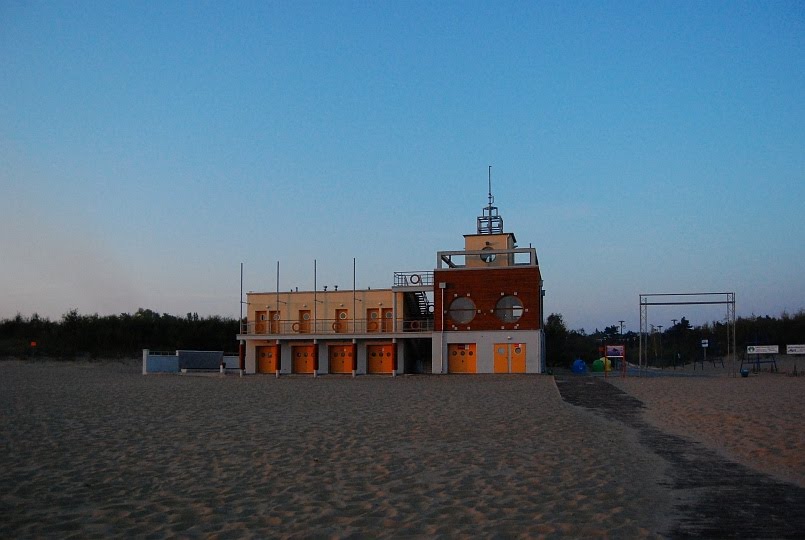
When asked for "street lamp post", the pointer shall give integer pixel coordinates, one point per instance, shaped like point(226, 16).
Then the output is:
point(675, 353)
point(661, 358)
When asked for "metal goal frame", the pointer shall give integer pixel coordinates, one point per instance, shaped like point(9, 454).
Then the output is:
point(687, 299)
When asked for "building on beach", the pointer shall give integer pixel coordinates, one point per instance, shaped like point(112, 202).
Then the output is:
point(479, 310)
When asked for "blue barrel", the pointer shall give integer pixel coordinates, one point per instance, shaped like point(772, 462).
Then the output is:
point(579, 366)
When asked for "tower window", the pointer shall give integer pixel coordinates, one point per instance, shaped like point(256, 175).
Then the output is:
point(509, 309)
point(462, 310)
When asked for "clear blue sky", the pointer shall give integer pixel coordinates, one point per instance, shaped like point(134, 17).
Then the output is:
point(148, 148)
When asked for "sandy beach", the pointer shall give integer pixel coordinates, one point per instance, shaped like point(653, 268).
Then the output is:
point(99, 450)
point(758, 421)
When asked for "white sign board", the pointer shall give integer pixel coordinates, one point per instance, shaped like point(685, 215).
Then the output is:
point(705, 343)
point(763, 349)
point(795, 349)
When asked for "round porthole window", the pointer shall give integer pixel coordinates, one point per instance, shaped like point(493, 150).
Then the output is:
point(306, 316)
point(462, 310)
point(487, 257)
point(342, 315)
point(509, 309)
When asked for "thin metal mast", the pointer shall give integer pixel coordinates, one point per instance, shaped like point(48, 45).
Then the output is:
point(490, 221)
point(491, 198)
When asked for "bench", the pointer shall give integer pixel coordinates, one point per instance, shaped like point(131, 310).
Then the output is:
point(200, 361)
point(761, 359)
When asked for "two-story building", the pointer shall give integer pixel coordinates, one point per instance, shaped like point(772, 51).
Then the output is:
point(478, 311)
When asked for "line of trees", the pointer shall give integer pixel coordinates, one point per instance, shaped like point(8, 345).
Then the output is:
point(114, 336)
point(679, 344)
point(125, 335)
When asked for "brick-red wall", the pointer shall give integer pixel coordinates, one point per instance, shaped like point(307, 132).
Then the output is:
point(485, 286)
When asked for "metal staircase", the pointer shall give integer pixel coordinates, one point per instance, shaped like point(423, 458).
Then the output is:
point(423, 304)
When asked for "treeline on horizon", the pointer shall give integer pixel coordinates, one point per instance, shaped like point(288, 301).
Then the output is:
point(114, 336)
point(678, 344)
point(126, 335)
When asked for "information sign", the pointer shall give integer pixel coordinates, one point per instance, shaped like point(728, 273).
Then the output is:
point(795, 349)
point(763, 349)
point(705, 344)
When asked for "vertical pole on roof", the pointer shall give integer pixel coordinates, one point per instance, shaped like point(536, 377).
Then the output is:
point(315, 308)
point(354, 313)
point(442, 286)
point(241, 351)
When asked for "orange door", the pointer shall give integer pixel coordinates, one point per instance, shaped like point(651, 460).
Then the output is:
point(304, 358)
point(259, 322)
point(518, 357)
point(274, 322)
point(510, 358)
point(380, 358)
point(501, 357)
point(268, 358)
point(341, 323)
point(461, 358)
point(341, 357)
point(373, 320)
point(387, 315)
point(303, 325)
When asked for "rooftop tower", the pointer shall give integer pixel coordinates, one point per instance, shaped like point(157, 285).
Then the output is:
point(490, 221)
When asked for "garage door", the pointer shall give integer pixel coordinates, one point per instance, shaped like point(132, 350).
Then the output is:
point(268, 358)
point(380, 358)
point(341, 358)
point(304, 358)
point(461, 358)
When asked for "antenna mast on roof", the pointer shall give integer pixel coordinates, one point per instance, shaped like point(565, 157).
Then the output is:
point(491, 198)
point(490, 222)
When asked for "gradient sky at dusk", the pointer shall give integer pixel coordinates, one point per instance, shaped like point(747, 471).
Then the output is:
point(148, 148)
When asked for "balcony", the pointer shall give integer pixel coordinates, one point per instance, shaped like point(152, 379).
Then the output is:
point(497, 258)
point(417, 279)
point(334, 327)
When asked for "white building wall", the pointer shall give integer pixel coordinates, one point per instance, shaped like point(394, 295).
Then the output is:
point(484, 343)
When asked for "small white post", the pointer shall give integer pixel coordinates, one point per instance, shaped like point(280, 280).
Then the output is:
point(145, 361)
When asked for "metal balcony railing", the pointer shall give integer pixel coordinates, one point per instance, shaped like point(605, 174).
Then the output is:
point(334, 327)
point(414, 278)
